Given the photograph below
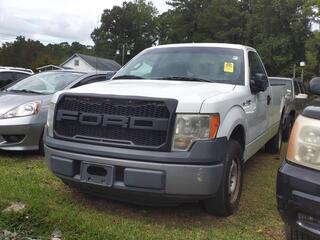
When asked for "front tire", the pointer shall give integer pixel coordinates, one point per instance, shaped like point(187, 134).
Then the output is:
point(275, 143)
point(226, 201)
point(288, 127)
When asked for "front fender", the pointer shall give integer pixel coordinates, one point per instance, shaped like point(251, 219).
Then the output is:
point(233, 118)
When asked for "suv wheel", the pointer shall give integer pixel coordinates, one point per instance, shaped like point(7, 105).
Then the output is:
point(227, 199)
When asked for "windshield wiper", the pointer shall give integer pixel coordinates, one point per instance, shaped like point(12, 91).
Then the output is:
point(127, 77)
point(24, 91)
point(185, 79)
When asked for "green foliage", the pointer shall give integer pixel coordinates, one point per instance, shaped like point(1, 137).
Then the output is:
point(133, 26)
point(32, 54)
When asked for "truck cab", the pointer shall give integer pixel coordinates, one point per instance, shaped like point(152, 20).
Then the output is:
point(175, 124)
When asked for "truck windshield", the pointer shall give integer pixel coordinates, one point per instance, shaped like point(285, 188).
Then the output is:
point(207, 64)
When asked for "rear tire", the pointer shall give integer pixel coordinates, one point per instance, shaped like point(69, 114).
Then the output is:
point(288, 127)
point(292, 233)
point(226, 201)
point(274, 144)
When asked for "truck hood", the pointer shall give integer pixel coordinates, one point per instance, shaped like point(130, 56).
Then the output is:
point(190, 95)
point(9, 101)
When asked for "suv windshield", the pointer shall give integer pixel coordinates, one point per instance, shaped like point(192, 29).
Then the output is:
point(212, 64)
point(45, 83)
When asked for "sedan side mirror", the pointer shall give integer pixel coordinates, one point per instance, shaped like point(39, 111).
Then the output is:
point(314, 86)
point(259, 83)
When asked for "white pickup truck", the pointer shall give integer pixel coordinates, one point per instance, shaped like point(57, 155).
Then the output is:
point(175, 124)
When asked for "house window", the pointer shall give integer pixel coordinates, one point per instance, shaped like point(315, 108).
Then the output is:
point(76, 62)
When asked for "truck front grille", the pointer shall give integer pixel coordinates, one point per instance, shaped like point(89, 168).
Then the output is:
point(109, 120)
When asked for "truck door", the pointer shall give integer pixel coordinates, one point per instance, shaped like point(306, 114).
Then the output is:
point(258, 121)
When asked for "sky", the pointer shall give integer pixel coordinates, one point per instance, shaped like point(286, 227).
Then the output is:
point(55, 21)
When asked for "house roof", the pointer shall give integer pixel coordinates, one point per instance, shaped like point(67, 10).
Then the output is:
point(98, 63)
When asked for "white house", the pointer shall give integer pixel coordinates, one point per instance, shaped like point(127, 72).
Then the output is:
point(86, 63)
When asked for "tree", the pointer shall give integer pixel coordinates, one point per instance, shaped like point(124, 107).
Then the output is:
point(133, 25)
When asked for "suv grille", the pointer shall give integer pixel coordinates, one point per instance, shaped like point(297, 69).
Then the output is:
point(138, 123)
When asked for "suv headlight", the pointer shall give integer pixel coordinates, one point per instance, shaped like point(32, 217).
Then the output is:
point(304, 143)
point(190, 128)
point(23, 110)
point(50, 119)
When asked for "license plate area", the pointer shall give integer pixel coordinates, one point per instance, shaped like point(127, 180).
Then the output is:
point(97, 174)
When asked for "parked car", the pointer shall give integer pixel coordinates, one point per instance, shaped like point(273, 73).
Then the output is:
point(298, 181)
point(10, 74)
point(175, 124)
point(296, 100)
point(24, 106)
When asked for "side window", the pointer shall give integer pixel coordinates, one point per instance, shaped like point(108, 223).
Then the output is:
point(20, 76)
point(6, 76)
point(255, 65)
point(90, 80)
point(296, 88)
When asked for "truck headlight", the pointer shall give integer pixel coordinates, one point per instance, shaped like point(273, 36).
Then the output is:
point(190, 128)
point(23, 110)
point(50, 119)
point(304, 143)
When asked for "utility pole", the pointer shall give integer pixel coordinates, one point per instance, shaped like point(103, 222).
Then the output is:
point(123, 53)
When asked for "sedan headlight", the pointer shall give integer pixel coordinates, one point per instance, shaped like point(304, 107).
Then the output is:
point(304, 143)
point(23, 110)
point(191, 128)
point(50, 119)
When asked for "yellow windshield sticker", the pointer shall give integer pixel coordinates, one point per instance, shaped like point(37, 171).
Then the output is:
point(228, 67)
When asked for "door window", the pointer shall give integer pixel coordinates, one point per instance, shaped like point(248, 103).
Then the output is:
point(255, 65)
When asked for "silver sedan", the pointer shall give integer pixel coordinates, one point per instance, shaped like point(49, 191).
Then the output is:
point(24, 106)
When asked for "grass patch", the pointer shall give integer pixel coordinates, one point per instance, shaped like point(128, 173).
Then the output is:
point(52, 206)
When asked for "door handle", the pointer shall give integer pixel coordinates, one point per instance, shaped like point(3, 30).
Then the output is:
point(268, 100)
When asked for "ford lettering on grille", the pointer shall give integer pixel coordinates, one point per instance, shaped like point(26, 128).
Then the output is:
point(106, 120)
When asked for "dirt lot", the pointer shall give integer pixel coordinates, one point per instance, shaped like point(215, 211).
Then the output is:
point(49, 208)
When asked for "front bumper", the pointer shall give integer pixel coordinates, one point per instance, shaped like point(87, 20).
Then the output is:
point(298, 197)
point(138, 174)
point(22, 133)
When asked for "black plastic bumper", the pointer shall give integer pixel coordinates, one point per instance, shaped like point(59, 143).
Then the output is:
point(298, 197)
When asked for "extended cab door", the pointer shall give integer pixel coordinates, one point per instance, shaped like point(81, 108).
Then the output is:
point(258, 122)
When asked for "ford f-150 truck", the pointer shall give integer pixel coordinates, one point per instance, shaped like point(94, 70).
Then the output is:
point(175, 124)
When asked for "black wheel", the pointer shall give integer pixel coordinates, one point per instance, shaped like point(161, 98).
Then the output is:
point(288, 127)
point(274, 144)
point(227, 199)
point(292, 233)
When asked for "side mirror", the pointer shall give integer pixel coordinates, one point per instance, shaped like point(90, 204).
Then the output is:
point(314, 86)
point(259, 83)
point(302, 96)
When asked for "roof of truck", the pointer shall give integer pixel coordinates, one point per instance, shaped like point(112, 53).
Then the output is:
point(221, 45)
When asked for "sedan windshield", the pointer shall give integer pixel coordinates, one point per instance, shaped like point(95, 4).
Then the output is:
point(45, 83)
point(206, 64)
